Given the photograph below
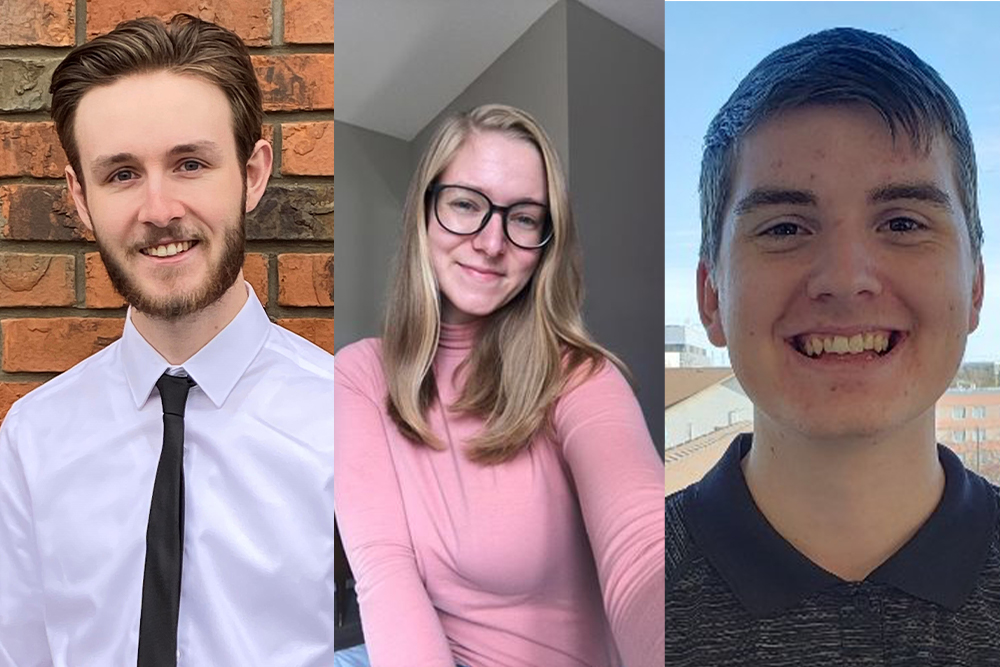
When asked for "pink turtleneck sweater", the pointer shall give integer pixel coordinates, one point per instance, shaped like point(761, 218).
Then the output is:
point(553, 558)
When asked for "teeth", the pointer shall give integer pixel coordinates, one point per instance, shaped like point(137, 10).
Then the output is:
point(168, 250)
point(876, 341)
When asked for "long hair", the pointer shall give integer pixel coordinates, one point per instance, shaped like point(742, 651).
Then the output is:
point(527, 350)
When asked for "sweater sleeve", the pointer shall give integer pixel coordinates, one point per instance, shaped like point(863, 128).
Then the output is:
point(619, 481)
point(400, 624)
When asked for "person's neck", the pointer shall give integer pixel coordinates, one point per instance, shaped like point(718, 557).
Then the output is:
point(846, 505)
point(180, 339)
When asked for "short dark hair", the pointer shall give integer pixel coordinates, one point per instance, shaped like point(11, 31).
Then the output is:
point(184, 45)
point(837, 66)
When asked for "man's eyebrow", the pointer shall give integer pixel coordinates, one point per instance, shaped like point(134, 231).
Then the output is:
point(107, 161)
point(206, 146)
point(768, 196)
point(922, 191)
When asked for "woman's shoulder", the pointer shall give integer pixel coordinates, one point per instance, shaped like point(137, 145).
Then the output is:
point(360, 360)
point(598, 373)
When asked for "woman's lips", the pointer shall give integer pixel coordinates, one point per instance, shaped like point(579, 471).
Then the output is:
point(480, 273)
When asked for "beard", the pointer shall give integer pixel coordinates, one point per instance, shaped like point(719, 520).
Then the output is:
point(221, 274)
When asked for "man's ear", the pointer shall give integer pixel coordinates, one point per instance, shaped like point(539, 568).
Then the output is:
point(258, 173)
point(79, 198)
point(708, 306)
point(977, 296)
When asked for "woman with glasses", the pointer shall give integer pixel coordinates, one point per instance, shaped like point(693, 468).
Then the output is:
point(498, 494)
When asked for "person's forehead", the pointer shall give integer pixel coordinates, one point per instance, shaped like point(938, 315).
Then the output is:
point(150, 114)
point(498, 164)
point(843, 146)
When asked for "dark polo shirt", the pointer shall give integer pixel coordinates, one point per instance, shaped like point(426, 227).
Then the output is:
point(739, 594)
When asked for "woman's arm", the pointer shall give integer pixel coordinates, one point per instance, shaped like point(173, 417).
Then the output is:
point(619, 481)
point(400, 624)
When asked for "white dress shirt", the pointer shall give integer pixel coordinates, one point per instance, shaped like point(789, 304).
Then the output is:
point(77, 460)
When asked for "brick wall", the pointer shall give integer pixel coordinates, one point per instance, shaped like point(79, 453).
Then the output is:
point(56, 303)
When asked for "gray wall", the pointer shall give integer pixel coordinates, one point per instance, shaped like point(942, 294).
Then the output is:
point(373, 172)
point(616, 134)
point(598, 91)
point(531, 75)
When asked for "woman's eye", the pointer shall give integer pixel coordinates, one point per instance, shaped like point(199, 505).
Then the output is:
point(464, 206)
point(525, 221)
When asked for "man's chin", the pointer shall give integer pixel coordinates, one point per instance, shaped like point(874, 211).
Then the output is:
point(174, 306)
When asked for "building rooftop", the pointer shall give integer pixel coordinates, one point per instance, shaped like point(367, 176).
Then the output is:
point(683, 383)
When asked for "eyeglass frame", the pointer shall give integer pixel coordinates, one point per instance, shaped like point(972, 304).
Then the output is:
point(435, 188)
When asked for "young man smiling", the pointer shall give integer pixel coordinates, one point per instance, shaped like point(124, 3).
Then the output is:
point(169, 500)
point(841, 265)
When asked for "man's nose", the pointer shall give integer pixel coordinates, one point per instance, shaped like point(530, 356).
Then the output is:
point(160, 206)
point(845, 267)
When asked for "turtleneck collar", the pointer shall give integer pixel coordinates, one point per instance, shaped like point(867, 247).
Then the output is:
point(458, 336)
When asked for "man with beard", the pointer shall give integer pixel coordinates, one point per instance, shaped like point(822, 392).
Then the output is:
point(170, 499)
point(841, 266)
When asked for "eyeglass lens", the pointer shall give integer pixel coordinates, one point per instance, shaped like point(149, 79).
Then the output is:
point(464, 211)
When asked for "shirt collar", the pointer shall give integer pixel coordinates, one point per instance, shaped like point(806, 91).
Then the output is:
point(215, 368)
point(940, 564)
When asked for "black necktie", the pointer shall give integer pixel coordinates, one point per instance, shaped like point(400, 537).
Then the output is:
point(161, 580)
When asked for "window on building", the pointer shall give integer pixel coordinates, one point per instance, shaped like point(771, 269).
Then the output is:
point(958, 412)
point(958, 436)
point(978, 411)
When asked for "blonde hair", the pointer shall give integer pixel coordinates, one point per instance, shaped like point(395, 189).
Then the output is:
point(527, 350)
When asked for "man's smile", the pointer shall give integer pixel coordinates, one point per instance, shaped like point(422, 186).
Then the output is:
point(168, 249)
point(868, 342)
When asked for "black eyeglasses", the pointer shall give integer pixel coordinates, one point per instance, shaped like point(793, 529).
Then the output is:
point(466, 212)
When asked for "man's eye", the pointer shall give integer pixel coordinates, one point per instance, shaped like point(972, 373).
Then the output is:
point(903, 225)
point(784, 229)
point(190, 165)
point(123, 176)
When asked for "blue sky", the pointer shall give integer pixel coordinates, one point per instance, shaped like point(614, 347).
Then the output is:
point(710, 46)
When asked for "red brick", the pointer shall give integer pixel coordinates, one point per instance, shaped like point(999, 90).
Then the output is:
point(267, 132)
point(37, 280)
point(316, 329)
point(40, 213)
point(55, 344)
point(12, 391)
point(97, 284)
point(250, 19)
point(38, 23)
point(309, 21)
point(31, 149)
point(305, 279)
point(296, 82)
point(255, 273)
point(307, 149)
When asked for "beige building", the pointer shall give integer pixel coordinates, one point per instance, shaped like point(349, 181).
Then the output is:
point(968, 421)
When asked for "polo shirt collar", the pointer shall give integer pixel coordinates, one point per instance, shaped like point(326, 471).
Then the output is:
point(940, 564)
point(215, 368)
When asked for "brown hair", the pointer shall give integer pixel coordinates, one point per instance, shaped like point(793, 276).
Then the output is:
point(527, 351)
point(184, 45)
